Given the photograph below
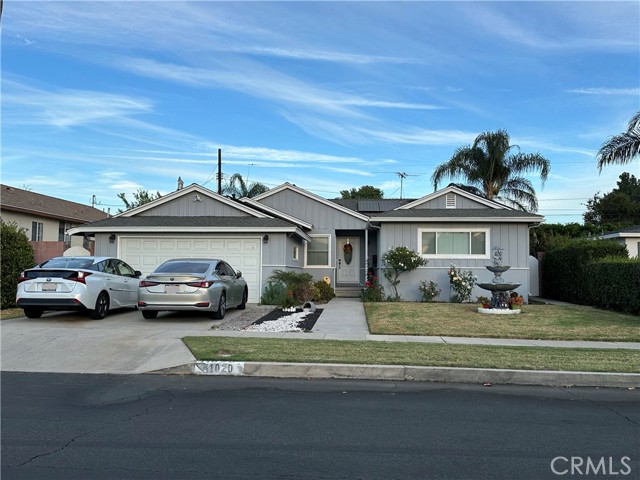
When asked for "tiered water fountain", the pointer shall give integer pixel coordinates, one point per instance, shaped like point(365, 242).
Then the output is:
point(500, 290)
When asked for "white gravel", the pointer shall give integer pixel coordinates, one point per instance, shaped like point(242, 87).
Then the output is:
point(284, 324)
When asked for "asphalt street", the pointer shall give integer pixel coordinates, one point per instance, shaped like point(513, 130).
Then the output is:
point(79, 426)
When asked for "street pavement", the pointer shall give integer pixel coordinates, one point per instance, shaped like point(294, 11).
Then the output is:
point(126, 343)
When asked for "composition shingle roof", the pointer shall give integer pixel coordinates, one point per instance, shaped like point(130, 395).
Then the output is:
point(202, 221)
point(19, 200)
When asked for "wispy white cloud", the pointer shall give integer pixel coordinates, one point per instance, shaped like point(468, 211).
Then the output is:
point(606, 91)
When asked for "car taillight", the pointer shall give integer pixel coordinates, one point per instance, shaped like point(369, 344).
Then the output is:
point(147, 283)
point(79, 277)
point(200, 284)
point(23, 278)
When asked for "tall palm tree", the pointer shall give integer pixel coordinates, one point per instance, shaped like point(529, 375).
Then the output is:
point(622, 148)
point(494, 169)
point(238, 188)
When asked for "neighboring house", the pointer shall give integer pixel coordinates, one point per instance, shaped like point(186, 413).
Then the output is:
point(289, 228)
point(628, 236)
point(46, 220)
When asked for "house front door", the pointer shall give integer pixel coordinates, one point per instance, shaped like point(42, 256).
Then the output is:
point(348, 263)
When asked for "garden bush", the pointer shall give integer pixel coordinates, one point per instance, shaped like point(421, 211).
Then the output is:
point(274, 294)
point(569, 272)
point(614, 284)
point(299, 287)
point(397, 261)
point(17, 255)
point(322, 292)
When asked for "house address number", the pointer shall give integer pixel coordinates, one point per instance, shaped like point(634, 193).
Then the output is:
point(219, 368)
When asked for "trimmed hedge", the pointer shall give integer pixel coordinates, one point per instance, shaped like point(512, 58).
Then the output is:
point(17, 256)
point(614, 284)
point(592, 272)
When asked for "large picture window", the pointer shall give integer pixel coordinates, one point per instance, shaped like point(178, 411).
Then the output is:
point(318, 251)
point(454, 243)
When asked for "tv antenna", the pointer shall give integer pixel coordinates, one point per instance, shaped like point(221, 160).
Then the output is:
point(402, 176)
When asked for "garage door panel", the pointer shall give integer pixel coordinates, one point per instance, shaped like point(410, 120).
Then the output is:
point(243, 254)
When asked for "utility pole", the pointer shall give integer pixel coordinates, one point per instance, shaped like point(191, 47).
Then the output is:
point(93, 201)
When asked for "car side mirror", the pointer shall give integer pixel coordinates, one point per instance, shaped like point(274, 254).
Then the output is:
point(238, 274)
point(138, 273)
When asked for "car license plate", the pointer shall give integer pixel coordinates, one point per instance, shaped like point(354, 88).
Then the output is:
point(49, 287)
point(172, 289)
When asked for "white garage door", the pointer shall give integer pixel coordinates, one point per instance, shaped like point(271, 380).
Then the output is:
point(242, 253)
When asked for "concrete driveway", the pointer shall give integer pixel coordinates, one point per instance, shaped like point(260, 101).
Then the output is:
point(123, 342)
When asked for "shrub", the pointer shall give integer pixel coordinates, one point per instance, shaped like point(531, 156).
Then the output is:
point(274, 294)
point(429, 290)
point(567, 270)
point(322, 292)
point(397, 261)
point(299, 287)
point(372, 291)
point(17, 255)
point(614, 284)
point(462, 284)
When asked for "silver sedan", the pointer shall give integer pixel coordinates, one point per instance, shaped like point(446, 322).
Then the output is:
point(192, 284)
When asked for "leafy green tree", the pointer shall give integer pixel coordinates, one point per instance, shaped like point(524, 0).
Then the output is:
point(621, 148)
point(237, 187)
point(17, 255)
point(366, 191)
point(495, 168)
point(617, 209)
point(140, 197)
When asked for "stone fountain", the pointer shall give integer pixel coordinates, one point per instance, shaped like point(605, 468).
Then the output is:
point(498, 287)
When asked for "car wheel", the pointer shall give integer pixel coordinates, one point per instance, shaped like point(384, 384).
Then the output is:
point(102, 307)
point(32, 312)
point(245, 295)
point(149, 314)
point(222, 307)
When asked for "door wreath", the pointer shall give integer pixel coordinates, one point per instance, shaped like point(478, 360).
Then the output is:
point(348, 252)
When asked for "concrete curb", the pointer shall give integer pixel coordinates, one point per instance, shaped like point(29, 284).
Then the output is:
point(407, 373)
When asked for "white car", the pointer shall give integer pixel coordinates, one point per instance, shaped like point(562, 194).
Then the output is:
point(91, 284)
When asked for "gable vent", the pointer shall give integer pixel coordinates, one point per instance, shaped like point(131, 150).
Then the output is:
point(451, 200)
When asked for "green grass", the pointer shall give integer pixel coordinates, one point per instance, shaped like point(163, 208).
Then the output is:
point(7, 313)
point(545, 322)
point(416, 354)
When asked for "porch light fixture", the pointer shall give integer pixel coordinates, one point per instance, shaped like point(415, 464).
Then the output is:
point(265, 239)
point(112, 238)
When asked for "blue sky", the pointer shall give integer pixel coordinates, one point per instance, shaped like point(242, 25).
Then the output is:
point(102, 97)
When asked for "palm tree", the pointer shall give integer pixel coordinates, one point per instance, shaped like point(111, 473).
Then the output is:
point(236, 187)
point(622, 148)
point(494, 169)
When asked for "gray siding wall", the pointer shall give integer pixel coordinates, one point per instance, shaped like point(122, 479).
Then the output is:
point(185, 206)
point(513, 237)
point(461, 202)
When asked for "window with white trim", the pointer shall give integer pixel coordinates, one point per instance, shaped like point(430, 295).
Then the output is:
point(295, 253)
point(454, 243)
point(37, 231)
point(318, 251)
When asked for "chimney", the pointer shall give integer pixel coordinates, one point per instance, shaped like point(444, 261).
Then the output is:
point(180, 184)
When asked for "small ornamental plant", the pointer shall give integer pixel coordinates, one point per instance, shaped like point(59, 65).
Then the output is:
point(515, 301)
point(429, 291)
point(372, 291)
point(462, 283)
point(397, 261)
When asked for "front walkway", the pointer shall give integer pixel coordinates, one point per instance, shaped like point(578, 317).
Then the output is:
point(344, 319)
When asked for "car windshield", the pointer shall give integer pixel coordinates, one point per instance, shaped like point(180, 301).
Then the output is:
point(183, 267)
point(68, 263)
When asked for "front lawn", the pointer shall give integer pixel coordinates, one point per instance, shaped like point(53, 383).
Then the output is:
point(7, 313)
point(409, 353)
point(544, 322)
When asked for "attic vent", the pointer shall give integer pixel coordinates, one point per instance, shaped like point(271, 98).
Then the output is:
point(451, 200)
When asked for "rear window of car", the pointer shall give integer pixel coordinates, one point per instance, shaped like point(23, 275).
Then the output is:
point(183, 267)
point(68, 263)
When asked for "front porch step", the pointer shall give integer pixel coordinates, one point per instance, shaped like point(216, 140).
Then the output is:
point(348, 292)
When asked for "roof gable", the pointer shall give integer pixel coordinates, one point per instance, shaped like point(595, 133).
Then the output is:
point(195, 190)
point(24, 201)
point(457, 191)
point(312, 196)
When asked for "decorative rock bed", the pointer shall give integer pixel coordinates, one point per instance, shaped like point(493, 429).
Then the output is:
point(285, 321)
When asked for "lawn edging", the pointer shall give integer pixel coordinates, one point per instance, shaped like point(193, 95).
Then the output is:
point(407, 373)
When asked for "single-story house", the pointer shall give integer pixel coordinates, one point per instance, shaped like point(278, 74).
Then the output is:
point(46, 220)
point(628, 236)
point(289, 228)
